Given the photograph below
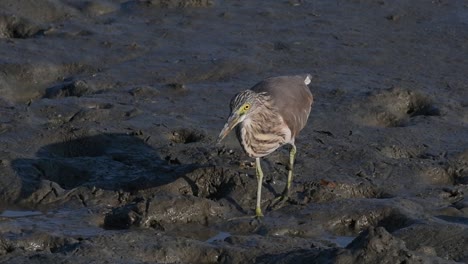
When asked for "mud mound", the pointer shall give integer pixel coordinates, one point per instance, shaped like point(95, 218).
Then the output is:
point(87, 161)
point(374, 245)
point(390, 218)
point(222, 185)
point(395, 107)
point(323, 191)
point(422, 237)
point(216, 183)
point(437, 175)
point(377, 245)
point(72, 88)
point(23, 81)
point(144, 92)
point(458, 167)
point(186, 136)
point(403, 151)
point(33, 241)
point(15, 27)
point(42, 12)
point(162, 211)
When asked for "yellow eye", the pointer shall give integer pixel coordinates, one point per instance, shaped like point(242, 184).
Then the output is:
point(246, 107)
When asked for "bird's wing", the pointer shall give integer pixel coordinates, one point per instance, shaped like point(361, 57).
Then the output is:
point(292, 98)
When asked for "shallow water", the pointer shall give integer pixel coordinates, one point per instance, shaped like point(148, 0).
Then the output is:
point(16, 214)
point(74, 223)
point(218, 237)
point(340, 241)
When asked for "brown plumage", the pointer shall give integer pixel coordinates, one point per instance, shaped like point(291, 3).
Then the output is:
point(291, 98)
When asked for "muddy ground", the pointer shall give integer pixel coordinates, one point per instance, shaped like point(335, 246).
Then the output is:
point(110, 111)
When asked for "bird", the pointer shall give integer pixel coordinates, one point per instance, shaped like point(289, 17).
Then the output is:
point(267, 116)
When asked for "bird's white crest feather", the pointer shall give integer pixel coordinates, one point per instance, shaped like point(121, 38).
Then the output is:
point(307, 80)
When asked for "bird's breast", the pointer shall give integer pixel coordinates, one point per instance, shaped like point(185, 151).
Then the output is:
point(261, 139)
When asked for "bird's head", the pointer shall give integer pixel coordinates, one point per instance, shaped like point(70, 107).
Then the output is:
point(242, 105)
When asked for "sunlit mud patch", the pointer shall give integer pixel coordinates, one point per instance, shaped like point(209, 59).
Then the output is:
point(185, 136)
point(223, 186)
point(404, 151)
point(353, 223)
point(15, 27)
point(76, 88)
point(458, 168)
point(436, 175)
point(25, 81)
point(394, 107)
point(215, 182)
point(323, 191)
point(162, 211)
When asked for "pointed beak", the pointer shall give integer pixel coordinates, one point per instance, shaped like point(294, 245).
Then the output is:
point(233, 120)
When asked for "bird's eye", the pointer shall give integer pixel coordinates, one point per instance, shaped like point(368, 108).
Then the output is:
point(246, 107)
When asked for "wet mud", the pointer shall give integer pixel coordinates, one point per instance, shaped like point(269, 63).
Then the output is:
point(110, 110)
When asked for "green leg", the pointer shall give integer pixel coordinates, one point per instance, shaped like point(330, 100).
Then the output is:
point(292, 156)
point(279, 201)
point(259, 172)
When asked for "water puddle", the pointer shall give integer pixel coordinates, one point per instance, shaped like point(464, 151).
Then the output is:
point(340, 241)
point(453, 219)
point(16, 214)
point(61, 222)
point(218, 237)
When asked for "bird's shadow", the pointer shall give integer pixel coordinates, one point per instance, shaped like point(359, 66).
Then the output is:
point(105, 161)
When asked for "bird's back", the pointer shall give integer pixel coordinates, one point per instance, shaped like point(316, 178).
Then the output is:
point(291, 97)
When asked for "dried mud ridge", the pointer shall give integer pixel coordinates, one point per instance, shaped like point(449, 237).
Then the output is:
point(109, 112)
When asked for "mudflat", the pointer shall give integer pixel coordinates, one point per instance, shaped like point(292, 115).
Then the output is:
point(110, 110)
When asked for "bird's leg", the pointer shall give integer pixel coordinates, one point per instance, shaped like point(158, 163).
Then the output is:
point(292, 156)
point(259, 172)
point(258, 208)
point(278, 201)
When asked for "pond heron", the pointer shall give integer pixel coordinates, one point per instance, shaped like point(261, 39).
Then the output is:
point(268, 116)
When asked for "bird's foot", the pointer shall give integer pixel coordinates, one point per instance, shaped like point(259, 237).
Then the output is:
point(254, 218)
point(258, 216)
point(258, 213)
point(278, 202)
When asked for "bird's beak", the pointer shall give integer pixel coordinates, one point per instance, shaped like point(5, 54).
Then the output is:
point(233, 120)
